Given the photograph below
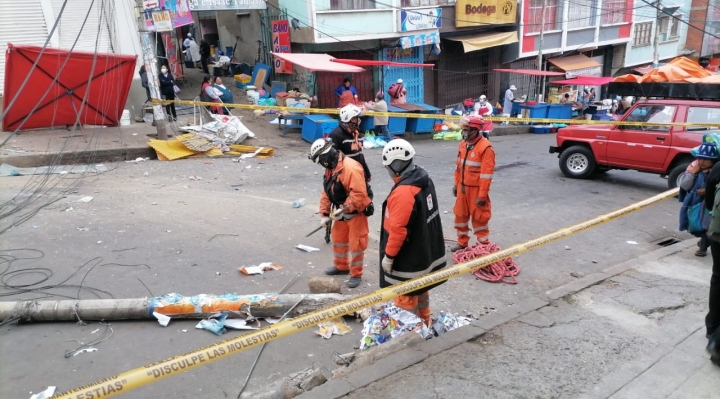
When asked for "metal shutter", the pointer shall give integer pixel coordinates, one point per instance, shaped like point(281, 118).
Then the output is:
point(20, 23)
point(72, 19)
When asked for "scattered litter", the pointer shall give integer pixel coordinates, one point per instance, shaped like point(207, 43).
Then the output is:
point(184, 330)
point(153, 203)
point(95, 331)
point(238, 324)
point(194, 178)
point(218, 273)
point(134, 134)
point(9, 170)
point(333, 327)
point(69, 209)
point(85, 199)
point(83, 229)
point(299, 202)
point(307, 248)
point(272, 320)
point(162, 319)
point(139, 159)
point(445, 212)
point(99, 242)
point(88, 350)
point(50, 391)
point(386, 322)
point(35, 227)
point(248, 167)
point(632, 242)
point(594, 261)
point(448, 322)
point(250, 155)
point(168, 231)
point(146, 174)
point(259, 269)
point(215, 326)
point(567, 247)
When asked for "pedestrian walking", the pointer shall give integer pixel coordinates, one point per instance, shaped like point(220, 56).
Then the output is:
point(411, 235)
point(343, 203)
point(693, 216)
point(204, 55)
point(475, 165)
point(380, 122)
point(712, 319)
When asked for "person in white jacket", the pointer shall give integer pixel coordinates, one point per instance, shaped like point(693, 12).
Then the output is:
point(483, 107)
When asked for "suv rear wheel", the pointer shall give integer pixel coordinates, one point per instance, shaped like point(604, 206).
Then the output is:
point(577, 162)
point(675, 174)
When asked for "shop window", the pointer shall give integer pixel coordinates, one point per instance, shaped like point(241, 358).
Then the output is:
point(553, 16)
point(420, 3)
point(702, 115)
point(675, 28)
point(352, 4)
point(643, 34)
point(582, 13)
point(613, 11)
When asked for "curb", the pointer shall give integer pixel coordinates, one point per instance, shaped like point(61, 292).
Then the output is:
point(405, 358)
point(79, 157)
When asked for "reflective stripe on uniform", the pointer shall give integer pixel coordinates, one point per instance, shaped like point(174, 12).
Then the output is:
point(481, 228)
point(427, 270)
point(468, 163)
point(354, 254)
point(486, 175)
point(357, 263)
point(340, 254)
point(462, 233)
point(353, 155)
point(462, 225)
point(341, 245)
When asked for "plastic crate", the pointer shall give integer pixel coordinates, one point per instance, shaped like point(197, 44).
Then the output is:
point(317, 126)
point(241, 85)
point(560, 111)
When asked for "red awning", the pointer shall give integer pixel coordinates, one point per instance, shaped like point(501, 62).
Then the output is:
point(379, 63)
point(583, 81)
point(532, 72)
point(105, 87)
point(317, 62)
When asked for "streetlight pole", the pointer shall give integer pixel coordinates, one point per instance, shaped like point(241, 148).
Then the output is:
point(656, 39)
point(540, 49)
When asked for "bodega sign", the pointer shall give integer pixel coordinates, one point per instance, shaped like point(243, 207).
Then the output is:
point(485, 12)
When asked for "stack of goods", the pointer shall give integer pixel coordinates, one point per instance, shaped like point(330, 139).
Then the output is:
point(242, 81)
point(449, 130)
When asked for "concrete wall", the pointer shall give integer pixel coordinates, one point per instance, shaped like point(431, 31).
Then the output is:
point(247, 27)
point(127, 42)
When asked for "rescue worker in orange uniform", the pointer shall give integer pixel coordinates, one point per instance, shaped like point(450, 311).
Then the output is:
point(473, 175)
point(343, 203)
point(411, 235)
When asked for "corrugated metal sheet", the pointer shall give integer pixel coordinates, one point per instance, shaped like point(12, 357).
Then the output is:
point(20, 23)
point(466, 75)
point(327, 82)
point(412, 77)
point(72, 20)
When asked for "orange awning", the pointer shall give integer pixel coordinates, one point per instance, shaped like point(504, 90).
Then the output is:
point(574, 62)
point(317, 62)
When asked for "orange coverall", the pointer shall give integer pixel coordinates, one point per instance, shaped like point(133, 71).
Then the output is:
point(473, 175)
point(400, 206)
point(350, 232)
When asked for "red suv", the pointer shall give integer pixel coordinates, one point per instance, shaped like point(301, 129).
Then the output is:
point(585, 150)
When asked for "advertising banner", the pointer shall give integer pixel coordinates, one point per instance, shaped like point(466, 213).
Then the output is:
point(485, 12)
point(281, 44)
point(420, 19)
point(171, 54)
point(162, 21)
point(226, 5)
point(179, 12)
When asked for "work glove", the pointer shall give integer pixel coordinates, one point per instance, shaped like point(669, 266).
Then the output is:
point(338, 214)
point(387, 264)
point(455, 191)
point(325, 221)
point(481, 201)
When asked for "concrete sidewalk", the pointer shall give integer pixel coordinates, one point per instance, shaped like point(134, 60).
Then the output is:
point(635, 330)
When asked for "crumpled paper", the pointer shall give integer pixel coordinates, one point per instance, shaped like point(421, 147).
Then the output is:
point(448, 322)
point(387, 322)
point(333, 327)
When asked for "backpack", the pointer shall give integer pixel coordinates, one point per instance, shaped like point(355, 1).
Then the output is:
point(394, 89)
point(468, 102)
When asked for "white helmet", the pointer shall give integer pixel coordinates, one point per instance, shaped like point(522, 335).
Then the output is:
point(482, 97)
point(348, 112)
point(397, 150)
point(318, 147)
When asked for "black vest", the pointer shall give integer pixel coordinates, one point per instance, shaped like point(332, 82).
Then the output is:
point(423, 251)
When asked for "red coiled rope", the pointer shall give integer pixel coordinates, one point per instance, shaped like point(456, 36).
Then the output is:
point(503, 271)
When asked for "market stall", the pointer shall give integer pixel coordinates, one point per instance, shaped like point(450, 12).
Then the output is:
point(566, 101)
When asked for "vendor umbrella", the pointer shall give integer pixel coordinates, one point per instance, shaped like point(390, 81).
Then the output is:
point(379, 63)
point(584, 81)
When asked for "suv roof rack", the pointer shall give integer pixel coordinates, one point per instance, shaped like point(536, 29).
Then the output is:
point(665, 90)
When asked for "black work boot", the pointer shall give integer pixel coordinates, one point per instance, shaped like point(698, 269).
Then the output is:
point(332, 271)
point(354, 282)
point(457, 247)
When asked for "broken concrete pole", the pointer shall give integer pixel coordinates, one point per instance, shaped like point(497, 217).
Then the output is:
point(324, 285)
point(173, 305)
point(317, 378)
point(376, 353)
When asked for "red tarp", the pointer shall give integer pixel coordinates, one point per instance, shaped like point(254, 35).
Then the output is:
point(583, 81)
point(532, 72)
point(106, 92)
point(379, 63)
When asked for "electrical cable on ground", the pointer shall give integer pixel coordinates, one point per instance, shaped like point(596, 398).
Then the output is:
point(503, 271)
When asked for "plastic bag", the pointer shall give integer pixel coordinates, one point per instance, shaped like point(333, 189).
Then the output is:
point(148, 118)
point(176, 89)
point(698, 218)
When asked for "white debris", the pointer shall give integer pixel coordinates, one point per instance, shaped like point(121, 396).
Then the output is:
point(50, 391)
point(162, 319)
point(85, 199)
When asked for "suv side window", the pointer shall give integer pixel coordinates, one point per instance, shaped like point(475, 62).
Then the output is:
point(651, 113)
point(703, 115)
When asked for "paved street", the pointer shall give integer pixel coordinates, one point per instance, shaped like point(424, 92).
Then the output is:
point(160, 231)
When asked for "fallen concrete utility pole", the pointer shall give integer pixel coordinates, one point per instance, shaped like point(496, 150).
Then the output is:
point(173, 305)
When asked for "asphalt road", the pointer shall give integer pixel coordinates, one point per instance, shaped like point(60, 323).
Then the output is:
point(159, 231)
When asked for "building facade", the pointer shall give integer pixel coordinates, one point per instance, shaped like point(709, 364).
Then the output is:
point(705, 40)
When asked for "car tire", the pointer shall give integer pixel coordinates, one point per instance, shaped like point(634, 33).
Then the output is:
point(577, 162)
point(675, 174)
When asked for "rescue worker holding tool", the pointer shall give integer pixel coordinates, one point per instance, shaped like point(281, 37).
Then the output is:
point(344, 202)
point(473, 175)
point(411, 236)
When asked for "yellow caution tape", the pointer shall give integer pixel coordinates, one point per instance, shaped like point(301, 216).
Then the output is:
point(436, 116)
point(177, 364)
